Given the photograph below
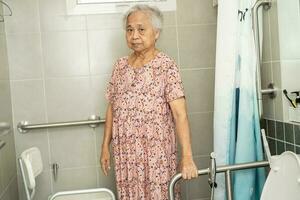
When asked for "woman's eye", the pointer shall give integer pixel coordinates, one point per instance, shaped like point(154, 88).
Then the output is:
point(141, 30)
point(129, 30)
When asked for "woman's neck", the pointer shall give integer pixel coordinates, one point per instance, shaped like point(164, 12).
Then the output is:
point(138, 59)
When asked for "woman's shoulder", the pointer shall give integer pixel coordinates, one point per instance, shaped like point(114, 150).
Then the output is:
point(122, 60)
point(166, 61)
point(121, 63)
point(163, 56)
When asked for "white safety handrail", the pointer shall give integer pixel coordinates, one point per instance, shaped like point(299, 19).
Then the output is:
point(271, 90)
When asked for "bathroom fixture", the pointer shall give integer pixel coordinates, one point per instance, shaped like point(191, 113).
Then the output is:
point(294, 109)
point(283, 181)
point(266, 145)
point(255, 25)
point(2, 144)
point(55, 168)
point(288, 98)
point(270, 91)
point(93, 122)
point(6, 5)
point(297, 100)
point(212, 174)
point(221, 169)
point(30, 163)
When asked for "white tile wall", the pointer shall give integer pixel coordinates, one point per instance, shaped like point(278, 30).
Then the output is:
point(76, 178)
point(202, 81)
point(4, 73)
point(76, 103)
point(101, 45)
point(25, 18)
point(197, 45)
point(73, 147)
point(65, 54)
point(25, 56)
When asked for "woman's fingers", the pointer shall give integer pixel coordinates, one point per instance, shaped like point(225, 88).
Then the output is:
point(195, 173)
point(105, 165)
point(105, 160)
point(189, 170)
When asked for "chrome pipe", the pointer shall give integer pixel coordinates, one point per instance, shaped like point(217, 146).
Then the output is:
point(268, 91)
point(271, 91)
point(93, 122)
point(228, 185)
point(255, 26)
point(177, 177)
point(220, 169)
point(242, 166)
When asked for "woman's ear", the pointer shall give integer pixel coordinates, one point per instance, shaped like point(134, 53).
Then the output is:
point(157, 32)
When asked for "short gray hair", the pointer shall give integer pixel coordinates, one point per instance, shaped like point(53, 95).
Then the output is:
point(154, 13)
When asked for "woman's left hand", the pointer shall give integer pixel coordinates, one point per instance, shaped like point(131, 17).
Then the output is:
point(188, 168)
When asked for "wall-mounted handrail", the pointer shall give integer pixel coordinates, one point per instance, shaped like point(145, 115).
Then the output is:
point(93, 122)
point(222, 169)
point(270, 91)
point(255, 26)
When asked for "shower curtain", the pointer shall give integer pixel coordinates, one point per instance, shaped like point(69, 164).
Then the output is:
point(236, 118)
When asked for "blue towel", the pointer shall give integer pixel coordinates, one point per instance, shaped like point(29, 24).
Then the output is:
point(245, 138)
point(236, 119)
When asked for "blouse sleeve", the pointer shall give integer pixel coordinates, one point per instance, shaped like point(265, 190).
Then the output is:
point(110, 91)
point(174, 87)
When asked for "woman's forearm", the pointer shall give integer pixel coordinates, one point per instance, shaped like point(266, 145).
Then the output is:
point(108, 126)
point(183, 133)
point(182, 126)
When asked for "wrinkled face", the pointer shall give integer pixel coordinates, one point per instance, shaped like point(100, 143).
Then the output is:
point(140, 34)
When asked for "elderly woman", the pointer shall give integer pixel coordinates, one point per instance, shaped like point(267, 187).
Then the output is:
point(146, 108)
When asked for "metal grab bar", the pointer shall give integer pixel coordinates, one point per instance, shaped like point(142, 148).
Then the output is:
point(255, 26)
point(271, 91)
point(93, 122)
point(221, 169)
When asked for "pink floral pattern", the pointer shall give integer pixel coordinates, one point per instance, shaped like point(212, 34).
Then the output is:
point(143, 135)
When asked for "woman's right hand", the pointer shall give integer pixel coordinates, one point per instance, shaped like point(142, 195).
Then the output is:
point(105, 159)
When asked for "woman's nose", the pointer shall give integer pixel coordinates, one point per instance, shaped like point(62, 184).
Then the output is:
point(135, 34)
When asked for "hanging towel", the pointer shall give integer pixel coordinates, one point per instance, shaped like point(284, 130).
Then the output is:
point(236, 123)
point(246, 138)
point(224, 86)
